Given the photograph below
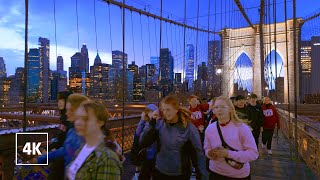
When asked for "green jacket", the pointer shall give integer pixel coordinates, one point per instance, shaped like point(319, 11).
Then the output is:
point(103, 163)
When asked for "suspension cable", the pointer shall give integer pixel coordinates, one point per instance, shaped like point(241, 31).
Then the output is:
point(95, 23)
point(288, 85)
point(123, 70)
point(134, 52)
point(110, 30)
point(77, 24)
point(149, 37)
point(275, 48)
point(141, 40)
point(55, 27)
point(184, 38)
point(196, 68)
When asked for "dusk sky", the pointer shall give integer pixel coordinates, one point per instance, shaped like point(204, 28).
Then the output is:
point(146, 31)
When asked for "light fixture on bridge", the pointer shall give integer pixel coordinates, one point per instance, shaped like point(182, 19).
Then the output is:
point(266, 88)
point(116, 105)
point(219, 71)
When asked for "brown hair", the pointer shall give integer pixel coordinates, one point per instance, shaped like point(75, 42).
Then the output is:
point(253, 96)
point(101, 113)
point(183, 113)
point(76, 99)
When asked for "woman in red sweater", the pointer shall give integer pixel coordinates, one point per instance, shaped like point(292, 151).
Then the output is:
point(270, 120)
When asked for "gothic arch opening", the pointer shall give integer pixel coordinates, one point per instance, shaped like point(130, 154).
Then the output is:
point(243, 75)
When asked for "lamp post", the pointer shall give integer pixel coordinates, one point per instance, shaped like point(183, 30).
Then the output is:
point(267, 89)
point(219, 72)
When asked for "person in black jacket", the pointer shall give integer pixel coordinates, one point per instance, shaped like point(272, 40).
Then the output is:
point(255, 117)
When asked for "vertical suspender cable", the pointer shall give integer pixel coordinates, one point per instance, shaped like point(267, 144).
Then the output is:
point(262, 49)
point(77, 24)
point(142, 41)
point(270, 43)
point(55, 26)
point(275, 47)
point(196, 64)
point(134, 52)
point(123, 69)
point(184, 40)
point(110, 30)
point(295, 85)
point(287, 60)
point(210, 83)
point(25, 65)
point(95, 23)
point(160, 53)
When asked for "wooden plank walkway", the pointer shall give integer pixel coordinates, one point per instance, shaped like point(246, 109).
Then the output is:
point(277, 166)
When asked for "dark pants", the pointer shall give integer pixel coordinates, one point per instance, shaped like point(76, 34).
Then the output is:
point(215, 176)
point(147, 169)
point(159, 176)
point(256, 135)
point(267, 135)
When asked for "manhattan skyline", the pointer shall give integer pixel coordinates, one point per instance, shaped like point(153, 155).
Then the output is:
point(41, 24)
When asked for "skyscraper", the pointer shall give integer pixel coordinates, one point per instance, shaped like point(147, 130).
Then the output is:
point(2, 68)
point(214, 63)
point(155, 60)
point(305, 68)
point(33, 75)
point(133, 68)
point(189, 64)
point(117, 59)
point(99, 79)
point(60, 63)
point(75, 73)
point(177, 78)
point(44, 54)
point(166, 71)
point(315, 64)
point(84, 60)
point(16, 92)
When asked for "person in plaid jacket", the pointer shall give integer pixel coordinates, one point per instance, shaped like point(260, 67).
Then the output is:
point(94, 160)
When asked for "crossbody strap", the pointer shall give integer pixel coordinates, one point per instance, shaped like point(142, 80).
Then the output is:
point(224, 144)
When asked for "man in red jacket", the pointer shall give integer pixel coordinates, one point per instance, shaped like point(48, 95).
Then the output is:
point(270, 120)
point(197, 116)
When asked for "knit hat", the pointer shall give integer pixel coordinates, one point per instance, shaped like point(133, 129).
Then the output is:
point(152, 107)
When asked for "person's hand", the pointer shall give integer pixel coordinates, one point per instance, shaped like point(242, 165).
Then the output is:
point(156, 114)
point(143, 114)
point(218, 153)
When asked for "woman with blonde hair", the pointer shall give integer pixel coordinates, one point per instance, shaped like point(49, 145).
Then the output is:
point(178, 142)
point(229, 143)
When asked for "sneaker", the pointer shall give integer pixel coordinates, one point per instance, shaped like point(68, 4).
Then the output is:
point(269, 152)
point(263, 146)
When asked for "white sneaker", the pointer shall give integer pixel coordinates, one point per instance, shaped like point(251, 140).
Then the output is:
point(263, 146)
point(269, 152)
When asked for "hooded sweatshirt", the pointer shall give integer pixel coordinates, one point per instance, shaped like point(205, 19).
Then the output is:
point(197, 115)
point(271, 117)
point(177, 146)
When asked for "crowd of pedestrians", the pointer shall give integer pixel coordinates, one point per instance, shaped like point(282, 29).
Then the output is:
point(209, 140)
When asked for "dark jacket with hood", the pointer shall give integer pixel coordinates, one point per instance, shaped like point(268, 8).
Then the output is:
point(255, 116)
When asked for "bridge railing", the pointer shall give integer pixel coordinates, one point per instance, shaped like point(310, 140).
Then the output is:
point(308, 145)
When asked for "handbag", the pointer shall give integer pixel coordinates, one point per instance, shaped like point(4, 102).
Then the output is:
point(231, 162)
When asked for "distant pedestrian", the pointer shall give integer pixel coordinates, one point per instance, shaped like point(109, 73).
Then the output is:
point(271, 118)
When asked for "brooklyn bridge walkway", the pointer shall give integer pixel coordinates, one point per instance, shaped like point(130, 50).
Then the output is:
point(277, 166)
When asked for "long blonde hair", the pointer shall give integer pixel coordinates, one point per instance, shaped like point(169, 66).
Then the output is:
point(183, 113)
point(233, 115)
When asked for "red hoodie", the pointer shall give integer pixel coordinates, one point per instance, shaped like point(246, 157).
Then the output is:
point(271, 117)
point(197, 115)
